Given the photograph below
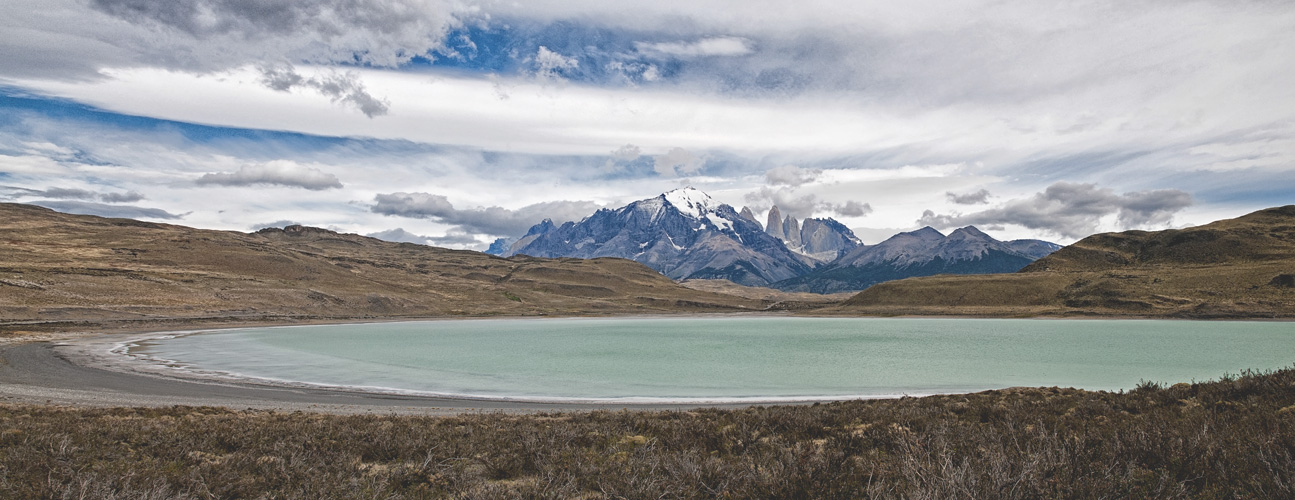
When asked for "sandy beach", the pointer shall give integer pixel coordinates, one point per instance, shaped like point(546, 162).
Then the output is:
point(81, 372)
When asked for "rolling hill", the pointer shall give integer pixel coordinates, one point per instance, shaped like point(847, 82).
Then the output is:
point(62, 271)
point(1235, 268)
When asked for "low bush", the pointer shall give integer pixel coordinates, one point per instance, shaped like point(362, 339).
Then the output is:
point(1232, 438)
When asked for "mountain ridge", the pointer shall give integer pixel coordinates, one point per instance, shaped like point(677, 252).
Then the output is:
point(684, 234)
point(923, 252)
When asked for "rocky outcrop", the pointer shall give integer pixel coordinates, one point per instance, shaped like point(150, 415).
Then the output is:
point(823, 240)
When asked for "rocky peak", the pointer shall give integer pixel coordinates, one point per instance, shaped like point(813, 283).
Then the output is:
point(544, 226)
point(926, 233)
point(792, 228)
point(820, 239)
point(774, 226)
point(969, 232)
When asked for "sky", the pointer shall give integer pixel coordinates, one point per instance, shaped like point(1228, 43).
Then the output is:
point(454, 123)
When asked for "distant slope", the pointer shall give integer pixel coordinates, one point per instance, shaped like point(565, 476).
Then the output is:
point(68, 270)
point(684, 234)
point(783, 300)
point(924, 252)
point(1236, 268)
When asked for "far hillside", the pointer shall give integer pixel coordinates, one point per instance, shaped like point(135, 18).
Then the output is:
point(1235, 268)
point(78, 272)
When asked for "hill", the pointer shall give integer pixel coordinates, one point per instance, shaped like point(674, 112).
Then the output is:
point(1235, 268)
point(62, 271)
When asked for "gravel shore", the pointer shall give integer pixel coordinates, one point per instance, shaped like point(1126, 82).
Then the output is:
point(81, 372)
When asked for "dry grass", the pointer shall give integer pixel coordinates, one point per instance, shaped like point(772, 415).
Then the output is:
point(1227, 269)
point(61, 271)
point(789, 299)
point(1233, 438)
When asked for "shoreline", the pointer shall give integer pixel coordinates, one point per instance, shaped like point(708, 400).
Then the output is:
point(61, 369)
point(92, 353)
point(83, 369)
point(38, 373)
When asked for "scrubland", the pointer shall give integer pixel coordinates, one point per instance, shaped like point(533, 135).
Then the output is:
point(1231, 438)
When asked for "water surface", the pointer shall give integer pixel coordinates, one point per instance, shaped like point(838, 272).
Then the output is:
point(734, 358)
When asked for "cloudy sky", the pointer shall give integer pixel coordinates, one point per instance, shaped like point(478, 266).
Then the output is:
point(456, 122)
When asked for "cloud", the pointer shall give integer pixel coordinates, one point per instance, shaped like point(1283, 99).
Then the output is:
point(278, 172)
point(786, 199)
point(70, 194)
point(550, 66)
point(1152, 208)
point(706, 47)
point(66, 193)
point(102, 210)
point(451, 239)
point(852, 209)
point(976, 198)
point(455, 239)
point(628, 152)
point(399, 235)
point(677, 161)
point(345, 88)
point(493, 221)
point(1073, 210)
point(633, 73)
point(1153, 86)
point(281, 77)
point(789, 202)
point(385, 33)
point(791, 175)
point(127, 197)
point(621, 158)
point(15, 192)
point(276, 224)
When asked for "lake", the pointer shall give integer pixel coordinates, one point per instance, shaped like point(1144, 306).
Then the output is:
point(719, 359)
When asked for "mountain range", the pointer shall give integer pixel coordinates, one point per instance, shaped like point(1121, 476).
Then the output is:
point(685, 234)
point(924, 252)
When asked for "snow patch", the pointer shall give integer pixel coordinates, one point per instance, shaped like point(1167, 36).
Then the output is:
point(672, 243)
point(651, 205)
point(690, 201)
point(720, 222)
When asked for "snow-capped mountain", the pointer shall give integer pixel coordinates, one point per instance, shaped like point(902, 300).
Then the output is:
point(923, 252)
point(684, 234)
point(823, 240)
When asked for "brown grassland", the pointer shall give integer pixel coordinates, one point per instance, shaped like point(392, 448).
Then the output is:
point(1233, 438)
point(1241, 268)
point(61, 272)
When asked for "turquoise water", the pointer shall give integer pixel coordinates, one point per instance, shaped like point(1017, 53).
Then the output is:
point(734, 358)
